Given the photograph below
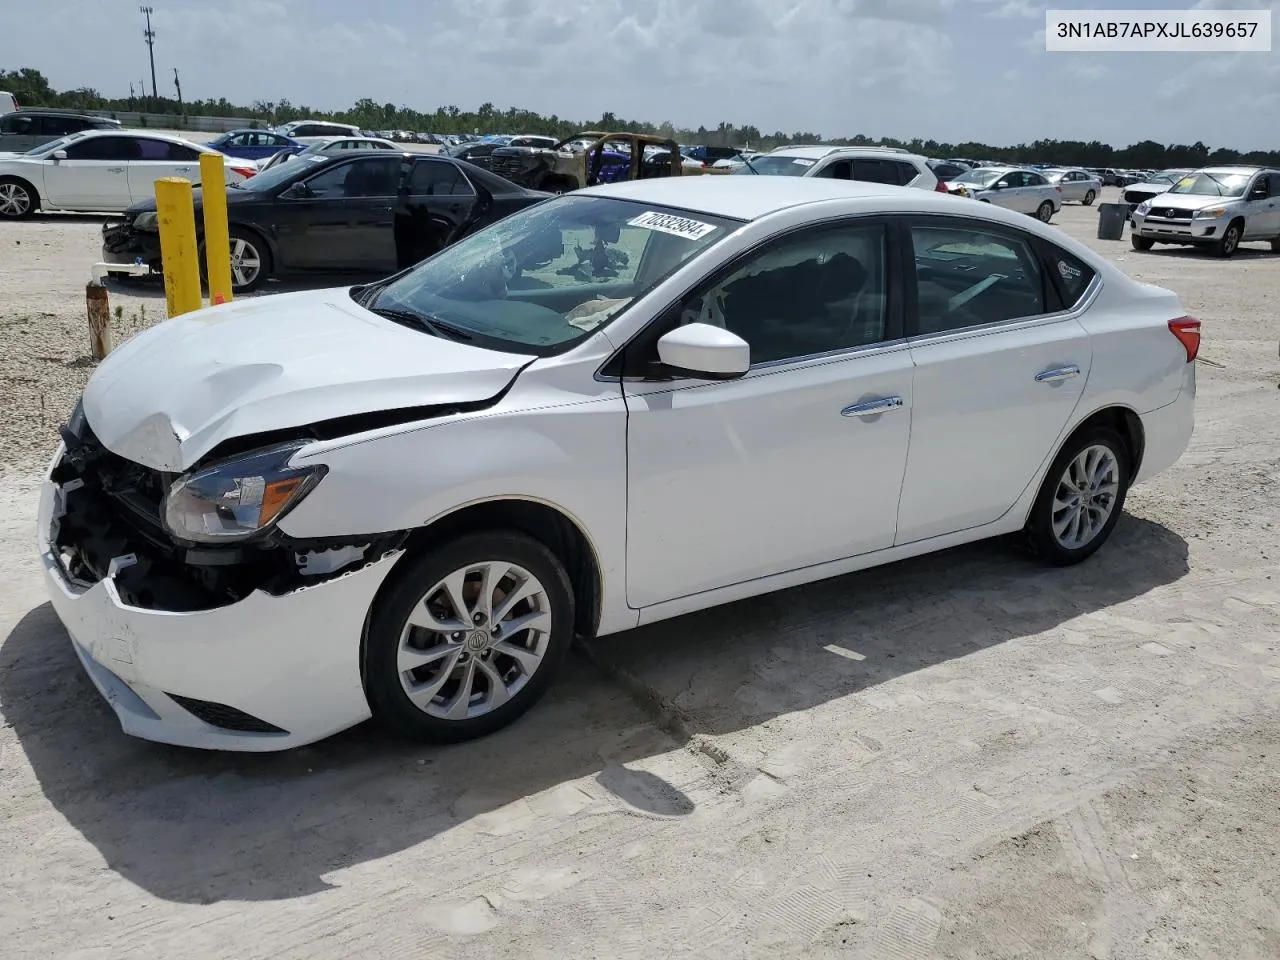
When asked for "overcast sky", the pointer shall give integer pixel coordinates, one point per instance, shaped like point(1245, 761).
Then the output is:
point(951, 70)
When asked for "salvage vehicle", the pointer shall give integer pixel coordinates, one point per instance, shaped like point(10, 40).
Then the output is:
point(1153, 186)
point(1025, 191)
point(587, 159)
point(255, 144)
point(100, 171)
point(888, 165)
point(270, 519)
point(362, 211)
point(29, 128)
point(1216, 208)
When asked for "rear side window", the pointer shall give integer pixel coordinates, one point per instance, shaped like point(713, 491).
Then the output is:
point(906, 171)
point(437, 178)
point(1070, 275)
point(876, 171)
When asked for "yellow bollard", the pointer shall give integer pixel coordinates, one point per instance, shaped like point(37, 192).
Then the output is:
point(217, 245)
point(177, 215)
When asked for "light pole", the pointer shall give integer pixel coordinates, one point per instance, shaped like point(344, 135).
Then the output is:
point(151, 47)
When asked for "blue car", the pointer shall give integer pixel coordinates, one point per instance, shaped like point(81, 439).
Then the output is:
point(254, 144)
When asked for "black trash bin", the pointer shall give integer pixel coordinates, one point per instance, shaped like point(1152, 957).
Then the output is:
point(1111, 220)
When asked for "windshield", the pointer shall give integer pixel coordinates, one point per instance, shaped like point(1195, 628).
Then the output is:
point(58, 144)
point(981, 177)
point(1212, 184)
point(547, 277)
point(280, 173)
point(774, 166)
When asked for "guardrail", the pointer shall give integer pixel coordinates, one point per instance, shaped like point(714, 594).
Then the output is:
point(177, 121)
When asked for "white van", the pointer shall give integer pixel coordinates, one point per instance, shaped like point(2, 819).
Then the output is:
point(8, 103)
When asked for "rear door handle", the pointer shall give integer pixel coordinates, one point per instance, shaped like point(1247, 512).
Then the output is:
point(869, 408)
point(1058, 374)
point(115, 169)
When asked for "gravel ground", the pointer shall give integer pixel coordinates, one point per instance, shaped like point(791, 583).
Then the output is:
point(974, 758)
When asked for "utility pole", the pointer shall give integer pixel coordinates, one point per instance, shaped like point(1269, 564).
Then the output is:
point(151, 47)
point(178, 85)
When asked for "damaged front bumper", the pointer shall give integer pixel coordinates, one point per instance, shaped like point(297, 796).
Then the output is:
point(260, 668)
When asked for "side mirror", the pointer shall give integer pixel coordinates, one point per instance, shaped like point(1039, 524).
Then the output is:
point(1001, 185)
point(298, 191)
point(704, 352)
point(1259, 193)
point(59, 155)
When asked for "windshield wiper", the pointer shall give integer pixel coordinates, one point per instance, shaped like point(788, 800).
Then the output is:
point(751, 166)
point(442, 330)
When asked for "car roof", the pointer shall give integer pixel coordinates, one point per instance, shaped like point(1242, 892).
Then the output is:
point(817, 152)
point(148, 134)
point(1242, 168)
point(745, 197)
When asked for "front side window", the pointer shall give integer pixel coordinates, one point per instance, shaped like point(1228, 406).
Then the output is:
point(374, 177)
point(818, 291)
point(104, 148)
point(968, 276)
point(547, 277)
point(18, 124)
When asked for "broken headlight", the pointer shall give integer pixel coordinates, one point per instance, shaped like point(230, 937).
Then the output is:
point(237, 499)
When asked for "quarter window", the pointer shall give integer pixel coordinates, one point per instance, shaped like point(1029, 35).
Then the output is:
point(814, 292)
point(968, 277)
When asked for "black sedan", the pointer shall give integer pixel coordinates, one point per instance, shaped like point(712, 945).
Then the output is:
point(365, 212)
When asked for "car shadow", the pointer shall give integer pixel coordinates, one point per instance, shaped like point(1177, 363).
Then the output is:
point(1177, 250)
point(200, 827)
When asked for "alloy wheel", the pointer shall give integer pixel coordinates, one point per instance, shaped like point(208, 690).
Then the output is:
point(246, 262)
point(15, 201)
point(1085, 496)
point(474, 640)
point(1045, 213)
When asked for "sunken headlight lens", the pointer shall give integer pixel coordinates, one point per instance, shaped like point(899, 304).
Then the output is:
point(235, 500)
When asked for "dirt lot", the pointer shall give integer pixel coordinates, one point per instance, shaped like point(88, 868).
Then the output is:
point(965, 756)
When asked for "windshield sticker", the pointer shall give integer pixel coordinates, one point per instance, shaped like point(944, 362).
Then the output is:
point(801, 161)
point(676, 226)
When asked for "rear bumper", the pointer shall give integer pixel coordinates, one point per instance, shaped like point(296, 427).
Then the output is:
point(1167, 430)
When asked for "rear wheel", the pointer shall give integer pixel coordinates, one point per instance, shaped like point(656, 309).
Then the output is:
point(1044, 213)
point(1081, 498)
point(468, 637)
point(18, 199)
point(1141, 243)
point(1089, 198)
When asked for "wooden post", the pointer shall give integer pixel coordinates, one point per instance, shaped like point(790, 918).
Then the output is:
point(99, 309)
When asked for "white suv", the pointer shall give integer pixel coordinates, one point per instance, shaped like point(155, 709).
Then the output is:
point(870, 164)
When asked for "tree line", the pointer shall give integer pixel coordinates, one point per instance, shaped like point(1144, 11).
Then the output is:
point(32, 89)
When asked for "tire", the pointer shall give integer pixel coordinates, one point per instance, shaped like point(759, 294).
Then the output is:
point(1141, 243)
point(18, 199)
point(1044, 212)
point(1089, 198)
point(475, 653)
point(1229, 242)
point(1063, 549)
point(245, 241)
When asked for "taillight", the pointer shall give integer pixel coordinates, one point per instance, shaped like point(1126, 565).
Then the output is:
point(941, 187)
point(1187, 330)
point(245, 172)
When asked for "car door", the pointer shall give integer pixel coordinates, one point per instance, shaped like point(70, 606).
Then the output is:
point(1072, 186)
point(157, 159)
point(436, 202)
point(1006, 191)
point(94, 176)
point(1000, 367)
point(343, 220)
point(1037, 189)
point(1262, 208)
point(800, 461)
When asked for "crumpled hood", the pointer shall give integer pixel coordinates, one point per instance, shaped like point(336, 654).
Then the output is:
point(171, 394)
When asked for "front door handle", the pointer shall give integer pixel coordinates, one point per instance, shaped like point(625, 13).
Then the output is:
point(115, 169)
point(869, 408)
point(1058, 374)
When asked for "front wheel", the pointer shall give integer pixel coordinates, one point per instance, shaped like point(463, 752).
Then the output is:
point(1044, 213)
point(250, 261)
point(1141, 243)
point(1230, 241)
point(468, 637)
point(17, 199)
point(1089, 198)
point(1081, 498)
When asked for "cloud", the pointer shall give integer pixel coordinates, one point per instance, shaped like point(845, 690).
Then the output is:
point(1087, 70)
point(1015, 8)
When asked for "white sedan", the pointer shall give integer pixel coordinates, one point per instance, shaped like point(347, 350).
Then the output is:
point(1080, 185)
point(269, 520)
point(1025, 191)
point(100, 171)
point(326, 146)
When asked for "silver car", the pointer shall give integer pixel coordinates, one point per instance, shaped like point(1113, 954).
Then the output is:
point(1217, 208)
point(1026, 191)
point(1077, 185)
